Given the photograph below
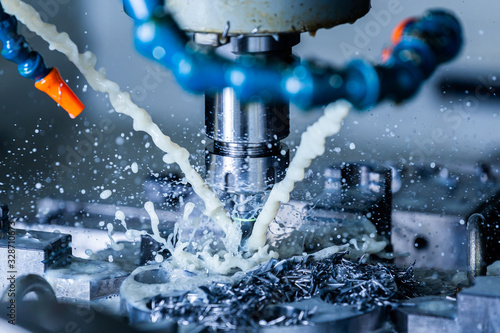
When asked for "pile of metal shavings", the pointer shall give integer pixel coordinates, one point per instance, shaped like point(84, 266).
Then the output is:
point(335, 279)
point(368, 285)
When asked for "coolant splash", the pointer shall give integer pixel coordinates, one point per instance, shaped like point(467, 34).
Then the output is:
point(122, 103)
point(312, 145)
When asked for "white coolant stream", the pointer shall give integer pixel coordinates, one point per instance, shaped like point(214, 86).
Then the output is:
point(312, 145)
point(122, 103)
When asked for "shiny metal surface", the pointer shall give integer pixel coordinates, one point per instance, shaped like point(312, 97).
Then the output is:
point(231, 121)
point(476, 309)
point(28, 284)
point(430, 216)
point(490, 227)
point(330, 318)
point(35, 253)
point(245, 174)
point(476, 265)
point(253, 44)
point(479, 306)
point(360, 188)
point(86, 280)
point(429, 240)
point(255, 302)
point(466, 138)
point(247, 157)
point(426, 314)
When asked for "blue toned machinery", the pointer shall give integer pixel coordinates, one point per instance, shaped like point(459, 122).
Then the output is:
point(30, 65)
point(247, 94)
point(238, 54)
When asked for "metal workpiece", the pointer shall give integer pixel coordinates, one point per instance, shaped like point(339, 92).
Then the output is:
point(296, 317)
point(35, 252)
point(479, 306)
point(264, 17)
point(431, 212)
point(476, 309)
point(476, 247)
point(28, 284)
point(333, 181)
point(429, 240)
point(317, 293)
point(360, 188)
point(86, 280)
point(297, 230)
point(331, 318)
point(52, 211)
point(489, 210)
point(356, 203)
point(426, 314)
point(43, 314)
point(150, 286)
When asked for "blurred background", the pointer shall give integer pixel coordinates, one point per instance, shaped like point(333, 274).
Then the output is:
point(44, 153)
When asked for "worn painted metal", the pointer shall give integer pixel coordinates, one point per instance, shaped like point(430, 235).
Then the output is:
point(264, 16)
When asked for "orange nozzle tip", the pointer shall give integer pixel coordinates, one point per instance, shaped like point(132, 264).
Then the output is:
point(397, 33)
point(54, 86)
